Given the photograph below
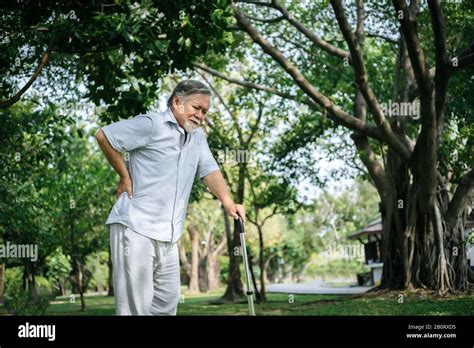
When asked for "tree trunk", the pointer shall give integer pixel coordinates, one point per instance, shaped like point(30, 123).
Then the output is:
point(80, 283)
point(208, 264)
point(418, 249)
point(194, 277)
point(261, 264)
point(185, 266)
point(269, 275)
point(110, 291)
point(203, 280)
point(234, 289)
point(252, 274)
point(30, 279)
point(213, 269)
point(2, 281)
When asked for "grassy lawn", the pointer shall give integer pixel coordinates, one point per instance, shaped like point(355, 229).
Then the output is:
point(414, 303)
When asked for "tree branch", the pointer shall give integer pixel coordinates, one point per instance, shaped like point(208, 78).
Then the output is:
point(369, 129)
point(465, 61)
point(274, 212)
point(258, 3)
point(417, 56)
point(460, 199)
point(256, 86)
point(221, 247)
point(17, 96)
point(442, 62)
point(292, 42)
point(367, 156)
point(362, 82)
point(254, 127)
point(324, 45)
point(265, 20)
point(321, 43)
point(386, 38)
point(467, 51)
point(425, 151)
point(84, 51)
point(341, 116)
point(231, 114)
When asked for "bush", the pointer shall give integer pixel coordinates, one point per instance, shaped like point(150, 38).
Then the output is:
point(44, 286)
point(59, 268)
point(335, 269)
point(17, 300)
point(13, 277)
point(224, 271)
point(96, 264)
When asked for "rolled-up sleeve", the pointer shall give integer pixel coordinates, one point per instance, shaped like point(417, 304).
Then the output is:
point(207, 164)
point(128, 135)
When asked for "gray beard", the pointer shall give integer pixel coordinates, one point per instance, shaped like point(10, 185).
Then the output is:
point(190, 127)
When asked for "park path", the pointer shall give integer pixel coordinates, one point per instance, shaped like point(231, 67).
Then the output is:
point(317, 287)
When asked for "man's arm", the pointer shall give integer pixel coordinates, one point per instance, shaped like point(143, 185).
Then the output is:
point(116, 161)
point(216, 184)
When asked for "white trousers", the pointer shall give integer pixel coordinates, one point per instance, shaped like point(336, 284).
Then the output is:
point(146, 273)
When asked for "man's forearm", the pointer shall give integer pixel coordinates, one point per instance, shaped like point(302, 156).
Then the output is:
point(114, 157)
point(218, 187)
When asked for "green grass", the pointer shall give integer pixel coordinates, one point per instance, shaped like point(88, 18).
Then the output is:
point(281, 304)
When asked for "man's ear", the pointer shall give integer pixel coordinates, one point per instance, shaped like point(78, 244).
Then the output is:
point(175, 101)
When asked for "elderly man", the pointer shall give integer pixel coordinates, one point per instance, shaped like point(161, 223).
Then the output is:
point(165, 151)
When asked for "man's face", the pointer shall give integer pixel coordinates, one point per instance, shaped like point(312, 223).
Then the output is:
point(191, 111)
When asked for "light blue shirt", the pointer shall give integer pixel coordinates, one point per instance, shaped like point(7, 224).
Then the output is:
point(162, 168)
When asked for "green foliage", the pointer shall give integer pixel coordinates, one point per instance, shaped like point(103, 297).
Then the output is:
point(55, 191)
point(335, 269)
point(329, 220)
point(18, 301)
point(32, 141)
point(224, 270)
point(96, 264)
point(59, 267)
point(13, 277)
point(118, 51)
point(311, 133)
point(56, 188)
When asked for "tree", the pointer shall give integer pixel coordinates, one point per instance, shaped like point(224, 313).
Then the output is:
point(280, 197)
point(205, 239)
point(422, 206)
point(117, 50)
point(237, 134)
point(54, 190)
point(31, 141)
point(59, 268)
point(80, 200)
point(2, 281)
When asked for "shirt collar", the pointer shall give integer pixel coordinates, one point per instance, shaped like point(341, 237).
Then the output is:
point(169, 116)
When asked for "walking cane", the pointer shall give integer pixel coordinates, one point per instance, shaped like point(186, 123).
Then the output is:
point(249, 291)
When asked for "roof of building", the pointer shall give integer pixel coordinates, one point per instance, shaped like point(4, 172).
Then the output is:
point(375, 227)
